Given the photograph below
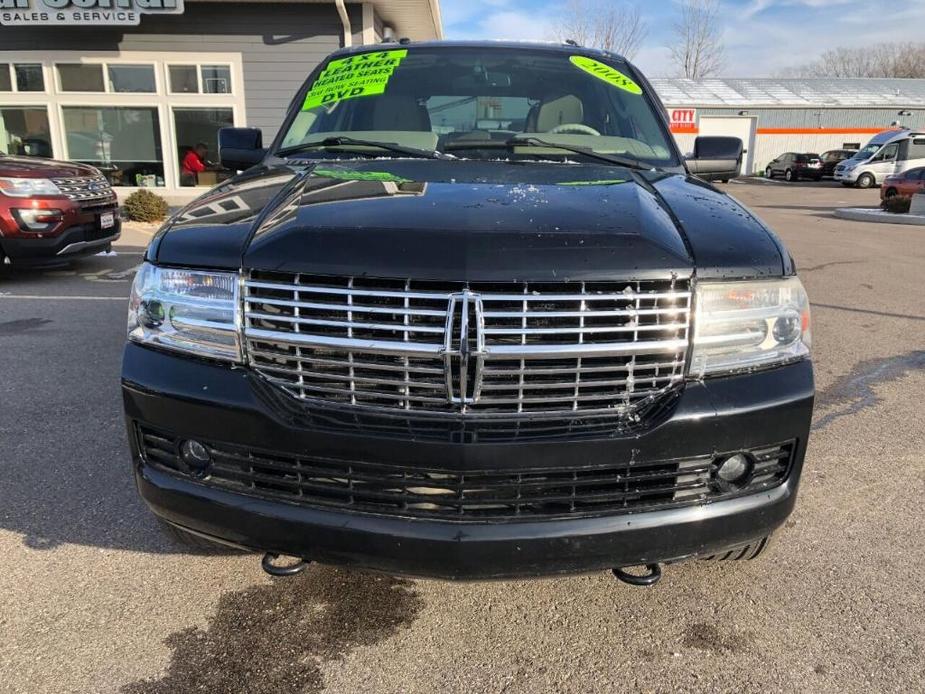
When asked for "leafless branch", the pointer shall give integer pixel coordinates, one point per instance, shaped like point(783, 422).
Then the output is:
point(697, 50)
point(880, 60)
point(616, 27)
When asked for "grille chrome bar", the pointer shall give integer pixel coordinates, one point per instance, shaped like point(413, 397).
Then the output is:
point(350, 344)
point(576, 350)
point(478, 348)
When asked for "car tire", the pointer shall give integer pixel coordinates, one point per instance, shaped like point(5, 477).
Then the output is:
point(866, 181)
point(890, 193)
point(790, 176)
point(744, 552)
point(769, 173)
point(198, 545)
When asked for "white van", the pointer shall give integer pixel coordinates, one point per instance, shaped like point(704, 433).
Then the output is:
point(888, 153)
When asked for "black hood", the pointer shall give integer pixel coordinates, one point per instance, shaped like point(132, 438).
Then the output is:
point(469, 221)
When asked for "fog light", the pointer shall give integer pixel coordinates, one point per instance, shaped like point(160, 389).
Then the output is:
point(735, 469)
point(195, 455)
point(37, 219)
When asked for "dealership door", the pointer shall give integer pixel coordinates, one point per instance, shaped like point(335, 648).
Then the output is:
point(742, 127)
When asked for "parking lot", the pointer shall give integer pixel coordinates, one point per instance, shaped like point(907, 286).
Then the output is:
point(94, 599)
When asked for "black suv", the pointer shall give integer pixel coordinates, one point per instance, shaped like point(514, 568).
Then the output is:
point(793, 166)
point(833, 158)
point(468, 316)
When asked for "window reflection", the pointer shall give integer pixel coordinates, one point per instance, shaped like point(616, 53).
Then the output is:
point(25, 132)
point(197, 144)
point(123, 143)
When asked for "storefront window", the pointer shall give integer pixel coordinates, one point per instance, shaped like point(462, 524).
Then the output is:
point(197, 144)
point(25, 131)
point(216, 79)
point(26, 76)
point(29, 77)
point(75, 77)
point(123, 143)
point(132, 79)
point(200, 79)
point(183, 79)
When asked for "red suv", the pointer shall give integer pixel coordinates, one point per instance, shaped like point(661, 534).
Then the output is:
point(53, 211)
point(906, 184)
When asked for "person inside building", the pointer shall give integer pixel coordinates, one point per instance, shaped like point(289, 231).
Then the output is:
point(194, 163)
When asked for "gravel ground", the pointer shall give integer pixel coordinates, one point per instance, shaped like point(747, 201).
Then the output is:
point(94, 599)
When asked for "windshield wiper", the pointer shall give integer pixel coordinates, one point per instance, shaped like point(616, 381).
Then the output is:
point(619, 160)
point(342, 140)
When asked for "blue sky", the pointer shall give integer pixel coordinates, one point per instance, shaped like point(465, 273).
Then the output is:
point(761, 37)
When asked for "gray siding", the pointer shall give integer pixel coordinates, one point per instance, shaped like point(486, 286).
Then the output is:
point(864, 118)
point(280, 44)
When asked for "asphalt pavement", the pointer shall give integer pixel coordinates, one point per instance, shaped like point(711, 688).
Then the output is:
point(94, 599)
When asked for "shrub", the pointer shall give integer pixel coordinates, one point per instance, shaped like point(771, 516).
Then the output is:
point(898, 204)
point(145, 206)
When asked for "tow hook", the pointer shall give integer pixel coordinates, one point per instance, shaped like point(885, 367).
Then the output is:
point(649, 579)
point(275, 570)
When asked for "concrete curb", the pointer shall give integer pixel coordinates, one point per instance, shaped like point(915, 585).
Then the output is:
point(866, 214)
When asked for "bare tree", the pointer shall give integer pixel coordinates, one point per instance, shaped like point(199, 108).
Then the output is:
point(616, 27)
point(697, 50)
point(881, 60)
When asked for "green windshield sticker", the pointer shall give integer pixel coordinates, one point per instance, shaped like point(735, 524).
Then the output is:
point(605, 72)
point(346, 175)
point(601, 182)
point(364, 74)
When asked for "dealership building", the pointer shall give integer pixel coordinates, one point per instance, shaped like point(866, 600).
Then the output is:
point(131, 86)
point(774, 116)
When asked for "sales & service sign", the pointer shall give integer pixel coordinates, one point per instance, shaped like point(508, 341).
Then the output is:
point(83, 12)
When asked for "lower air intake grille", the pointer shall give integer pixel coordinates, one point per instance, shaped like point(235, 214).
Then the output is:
point(473, 495)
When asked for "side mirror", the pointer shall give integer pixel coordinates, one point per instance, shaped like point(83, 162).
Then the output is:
point(240, 148)
point(716, 157)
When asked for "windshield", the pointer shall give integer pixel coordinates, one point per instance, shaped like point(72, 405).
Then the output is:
point(867, 152)
point(477, 103)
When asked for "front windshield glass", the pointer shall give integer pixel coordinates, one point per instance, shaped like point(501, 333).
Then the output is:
point(477, 103)
point(867, 152)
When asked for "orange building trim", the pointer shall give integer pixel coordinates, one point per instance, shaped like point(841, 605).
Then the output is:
point(682, 130)
point(820, 131)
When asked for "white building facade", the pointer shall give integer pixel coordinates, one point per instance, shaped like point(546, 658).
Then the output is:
point(774, 116)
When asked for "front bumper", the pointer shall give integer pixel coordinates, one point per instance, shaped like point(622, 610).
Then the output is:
point(75, 242)
point(845, 176)
point(196, 399)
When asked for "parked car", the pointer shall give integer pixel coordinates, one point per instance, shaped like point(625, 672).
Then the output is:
point(469, 354)
point(905, 184)
point(793, 166)
point(833, 158)
point(888, 153)
point(52, 212)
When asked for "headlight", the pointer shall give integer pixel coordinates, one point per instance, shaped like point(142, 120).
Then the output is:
point(746, 325)
point(191, 311)
point(27, 187)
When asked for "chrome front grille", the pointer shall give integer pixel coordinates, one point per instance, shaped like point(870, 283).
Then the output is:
point(86, 189)
point(479, 348)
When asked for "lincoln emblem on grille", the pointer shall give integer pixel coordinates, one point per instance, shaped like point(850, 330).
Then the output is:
point(464, 348)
